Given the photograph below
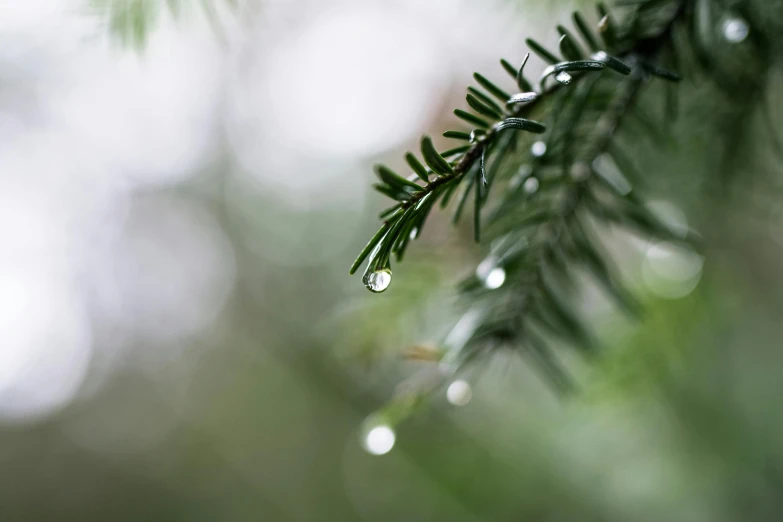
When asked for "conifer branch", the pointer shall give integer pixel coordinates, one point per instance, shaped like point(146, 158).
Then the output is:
point(541, 223)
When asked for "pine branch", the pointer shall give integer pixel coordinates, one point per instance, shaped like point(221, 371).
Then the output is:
point(541, 224)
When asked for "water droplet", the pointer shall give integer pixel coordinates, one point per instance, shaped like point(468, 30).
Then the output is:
point(531, 185)
point(414, 233)
point(538, 149)
point(379, 440)
point(563, 77)
point(735, 29)
point(477, 135)
point(522, 97)
point(378, 281)
point(600, 56)
point(459, 393)
point(495, 278)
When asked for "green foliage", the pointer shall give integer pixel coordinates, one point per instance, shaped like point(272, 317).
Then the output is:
point(541, 221)
point(131, 21)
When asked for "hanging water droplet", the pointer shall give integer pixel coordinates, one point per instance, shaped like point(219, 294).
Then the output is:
point(378, 281)
point(531, 185)
point(735, 29)
point(522, 97)
point(538, 149)
point(563, 77)
point(379, 440)
point(459, 393)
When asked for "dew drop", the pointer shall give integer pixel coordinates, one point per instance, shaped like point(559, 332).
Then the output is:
point(735, 29)
point(522, 97)
point(378, 281)
point(538, 149)
point(563, 77)
point(459, 393)
point(531, 185)
point(495, 278)
point(477, 135)
point(414, 233)
point(379, 440)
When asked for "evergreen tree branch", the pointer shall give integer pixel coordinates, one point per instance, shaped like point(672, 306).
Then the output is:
point(541, 223)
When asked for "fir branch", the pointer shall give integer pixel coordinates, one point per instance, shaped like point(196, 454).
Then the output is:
point(541, 224)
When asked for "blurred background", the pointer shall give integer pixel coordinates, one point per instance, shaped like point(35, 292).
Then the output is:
point(182, 192)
